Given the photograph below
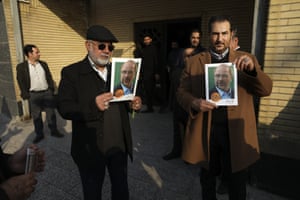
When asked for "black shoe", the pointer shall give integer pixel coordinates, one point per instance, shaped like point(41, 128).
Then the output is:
point(56, 134)
point(148, 111)
point(171, 155)
point(37, 139)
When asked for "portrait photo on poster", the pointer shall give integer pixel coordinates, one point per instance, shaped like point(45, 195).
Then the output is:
point(124, 78)
point(221, 84)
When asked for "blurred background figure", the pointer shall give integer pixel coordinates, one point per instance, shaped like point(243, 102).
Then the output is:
point(234, 43)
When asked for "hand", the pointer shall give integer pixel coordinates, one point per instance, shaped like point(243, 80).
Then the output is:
point(157, 77)
point(17, 161)
point(203, 105)
point(244, 63)
point(102, 100)
point(136, 103)
point(19, 187)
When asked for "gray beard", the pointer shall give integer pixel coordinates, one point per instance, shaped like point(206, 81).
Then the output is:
point(101, 62)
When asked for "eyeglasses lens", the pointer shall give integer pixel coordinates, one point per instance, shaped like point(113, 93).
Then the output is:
point(103, 46)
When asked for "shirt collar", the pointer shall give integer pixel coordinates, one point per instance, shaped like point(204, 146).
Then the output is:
point(224, 95)
point(219, 56)
point(126, 89)
point(102, 74)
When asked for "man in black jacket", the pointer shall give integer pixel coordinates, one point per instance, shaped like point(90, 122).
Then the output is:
point(179, 114)
point(36, 84)
point(149, 70)
point(101, 134)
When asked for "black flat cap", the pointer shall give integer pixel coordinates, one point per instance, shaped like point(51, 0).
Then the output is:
point(100, 33)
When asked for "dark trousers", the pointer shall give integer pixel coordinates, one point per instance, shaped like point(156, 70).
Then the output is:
point(92, 177)
point(180, 116)
point(149, 92)
point(220, 161)
point(42, 101)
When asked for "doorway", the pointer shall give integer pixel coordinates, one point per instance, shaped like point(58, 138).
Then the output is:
point(163, 33)
point(166, 31)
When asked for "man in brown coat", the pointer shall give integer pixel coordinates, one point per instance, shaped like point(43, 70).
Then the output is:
point(222, 138)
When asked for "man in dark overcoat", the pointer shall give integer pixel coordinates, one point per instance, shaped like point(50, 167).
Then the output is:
point(101, 135)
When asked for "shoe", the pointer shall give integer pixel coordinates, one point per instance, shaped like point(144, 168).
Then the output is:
point(56, 134)
point(148, 111)
point(171, 155)
point(37, 139)
point(222, 188)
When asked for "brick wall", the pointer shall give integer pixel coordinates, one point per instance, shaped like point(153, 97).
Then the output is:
point(8, 104)
point(279, 115)
point(57, 27)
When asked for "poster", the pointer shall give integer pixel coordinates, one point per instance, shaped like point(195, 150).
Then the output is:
point(221, 84)
point(124, 78)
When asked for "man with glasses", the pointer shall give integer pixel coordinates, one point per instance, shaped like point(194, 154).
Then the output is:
point(101, 129)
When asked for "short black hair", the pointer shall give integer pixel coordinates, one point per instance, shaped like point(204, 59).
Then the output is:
point(28, 49)
point(195, 30)
point(234, 32)
point(147, 34)
point(218, 18)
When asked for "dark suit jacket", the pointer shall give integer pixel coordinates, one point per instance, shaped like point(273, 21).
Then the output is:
point(78, 88)
point(119, 86)
point(214, 89)
point(23, 78)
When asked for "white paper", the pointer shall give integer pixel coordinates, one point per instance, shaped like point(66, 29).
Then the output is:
point(221, 84)
point(115, 86)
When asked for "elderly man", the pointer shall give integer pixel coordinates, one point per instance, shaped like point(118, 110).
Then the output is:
point(101, 130)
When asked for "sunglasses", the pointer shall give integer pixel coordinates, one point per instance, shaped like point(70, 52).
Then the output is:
point(103, 46)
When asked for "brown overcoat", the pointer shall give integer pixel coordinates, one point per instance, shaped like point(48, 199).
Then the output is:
point(244, 146)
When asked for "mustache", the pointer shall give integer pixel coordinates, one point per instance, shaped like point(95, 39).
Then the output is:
point(218, 42)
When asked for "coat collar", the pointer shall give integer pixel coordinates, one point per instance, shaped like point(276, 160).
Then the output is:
point(205, 56)
point(88, 68)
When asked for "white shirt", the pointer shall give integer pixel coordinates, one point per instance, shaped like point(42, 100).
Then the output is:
point(102, 74)
point(126, 90)
point(37, 75)
point(224, 94)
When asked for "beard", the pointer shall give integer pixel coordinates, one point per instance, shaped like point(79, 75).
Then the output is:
point(101, 62)
point(104, 60)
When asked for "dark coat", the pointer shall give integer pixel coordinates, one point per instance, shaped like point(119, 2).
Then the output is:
point(5, 173)
point(78, 88)
point(23, 78)
point(150, 63)
point(244, 149)
point(119, 86)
